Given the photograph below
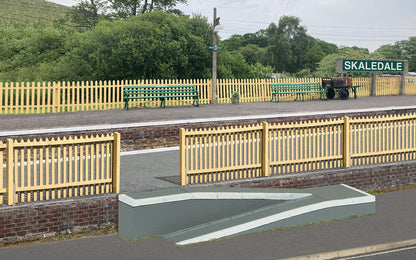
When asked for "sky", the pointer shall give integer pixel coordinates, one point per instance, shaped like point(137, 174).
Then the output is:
point(362, 23)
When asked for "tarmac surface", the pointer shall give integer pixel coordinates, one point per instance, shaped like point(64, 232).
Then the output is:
point(105, 119)
point(395, 218)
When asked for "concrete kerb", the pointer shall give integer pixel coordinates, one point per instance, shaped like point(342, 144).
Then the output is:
point(356, 251)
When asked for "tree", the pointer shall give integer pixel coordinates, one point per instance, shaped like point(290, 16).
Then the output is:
point(155, 45)
point(26, 51)
point(288, 44)
point(326, 47)
point(86, 13)
point(126, 8)
point(258, 71)
point(232, 65)
point(250, 52)
point(388, 51)
point(327, 66)
point(405, 50)
point(313, 56)
point(408, 51)
point(233, 43)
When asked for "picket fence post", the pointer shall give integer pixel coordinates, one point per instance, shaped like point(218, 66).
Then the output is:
point(116, 162)
point(10, 190)
point(265, 165)
point(346, 155)
point(182, 164)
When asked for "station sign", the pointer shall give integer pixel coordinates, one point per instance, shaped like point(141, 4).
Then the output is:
point(215, 48)
point(352, 65)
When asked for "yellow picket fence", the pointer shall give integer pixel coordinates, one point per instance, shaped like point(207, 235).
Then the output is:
point(255, 90)
point(410, 88)
point(41, 170)
point(49, 97)
point(234, 153)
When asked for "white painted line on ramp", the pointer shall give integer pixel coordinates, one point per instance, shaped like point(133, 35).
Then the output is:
point(277, 217)
point(210, 196)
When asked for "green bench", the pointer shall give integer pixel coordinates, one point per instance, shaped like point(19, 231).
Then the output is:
point(300, 89)
point(160, 92)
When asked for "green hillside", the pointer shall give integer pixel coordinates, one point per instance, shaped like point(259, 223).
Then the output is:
point(21, 12)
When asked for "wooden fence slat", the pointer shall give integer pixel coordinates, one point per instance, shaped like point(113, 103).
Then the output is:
point(46, 97)
point(293, 147)
point(61, 168)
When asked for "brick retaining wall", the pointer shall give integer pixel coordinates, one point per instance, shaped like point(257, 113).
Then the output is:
point(42, 219)
point(368, 177)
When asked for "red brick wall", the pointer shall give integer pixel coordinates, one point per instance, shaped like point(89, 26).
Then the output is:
point(44, 219)
point(366, 178)
point(49, 218)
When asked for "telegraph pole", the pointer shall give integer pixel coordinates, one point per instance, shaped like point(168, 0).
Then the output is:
point(214, 58)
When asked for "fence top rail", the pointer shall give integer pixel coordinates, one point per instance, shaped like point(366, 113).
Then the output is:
point(159, 86)
point(226, 130)
point(388, 118)
point(295, 84)
point(308, 124)
point(63, 141)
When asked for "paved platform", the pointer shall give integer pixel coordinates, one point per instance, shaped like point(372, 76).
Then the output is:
point(119, 118)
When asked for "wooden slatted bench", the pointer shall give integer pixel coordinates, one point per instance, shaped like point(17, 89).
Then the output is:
point(299, 89)
point(160, 92)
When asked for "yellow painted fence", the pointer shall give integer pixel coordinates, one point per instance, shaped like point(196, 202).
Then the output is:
point(234, 153)
point(53, 169)
point(49, 97)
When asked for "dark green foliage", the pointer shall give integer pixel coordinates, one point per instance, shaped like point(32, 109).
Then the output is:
point(327, 65)
point(26, 52)
point(288, 45)
point(126, 8)
point(154, 41)
point(149, 46)
point(404, 50)
point(86, 14)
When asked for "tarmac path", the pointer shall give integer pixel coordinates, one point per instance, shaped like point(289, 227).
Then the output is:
point(149, 170)
point(395, 220)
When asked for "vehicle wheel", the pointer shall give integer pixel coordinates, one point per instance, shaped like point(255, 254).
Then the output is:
point(330, 94)
point(344, 93)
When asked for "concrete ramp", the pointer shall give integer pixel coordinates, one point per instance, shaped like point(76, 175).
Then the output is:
point(192, 215)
